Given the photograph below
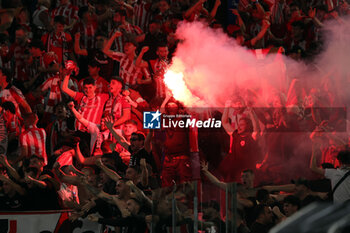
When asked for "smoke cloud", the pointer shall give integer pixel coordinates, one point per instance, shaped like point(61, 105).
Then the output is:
point(215, 69)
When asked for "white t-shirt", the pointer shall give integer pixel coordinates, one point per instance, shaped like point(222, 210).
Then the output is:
point(342, 193)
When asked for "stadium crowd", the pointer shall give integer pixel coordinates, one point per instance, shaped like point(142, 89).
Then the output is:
point(77, 75)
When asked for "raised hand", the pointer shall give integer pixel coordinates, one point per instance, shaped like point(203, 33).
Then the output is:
point(204, 165)
point(143, 163)
point(234, 11)
point(108, 122)
point(117, 34)
point(70, 105)
point(312, 13)
point(77, 36)
point(144, 49)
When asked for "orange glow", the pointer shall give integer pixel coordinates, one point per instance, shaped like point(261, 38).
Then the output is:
point(174, 79)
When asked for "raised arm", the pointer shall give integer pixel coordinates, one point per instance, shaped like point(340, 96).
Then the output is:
point(120, 139)
point(148, 141)
point(139, 62)
point(16, 187)
point(144, 172)
point(265, 25)
point(224, 119)
point(312, 15)
point(65, 87)
point(211, 177)
point(190, 11)
point(313, 163)
point(28, 179)
point(77, 115)
point(98, 193)
point(11, 171)
point(165, 101)
point(239, 18)
point(107, 49)
point(77, 48)
point(255, 122)
point(74, 180)
point(82, 160)
point(215, 8)
point(112, 174)
point(138, 192)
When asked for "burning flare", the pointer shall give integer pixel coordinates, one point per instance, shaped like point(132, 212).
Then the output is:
point(175, 81)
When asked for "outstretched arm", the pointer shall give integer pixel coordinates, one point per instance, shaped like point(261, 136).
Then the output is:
point(82, 160)
point(16, 187)
point(190, 11)
point(9, 168)
point(211, 177)
point(112, 174)
point(73, 180)
point(120, 139)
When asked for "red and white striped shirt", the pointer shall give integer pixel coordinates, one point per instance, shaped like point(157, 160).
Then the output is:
point(159, 68)
point(128, 71)
point(115, 105)
point(69, 11)
point(142, 14)
point(54, 96)
point(125, 29)
point(90, 109)
point(34, 139)
point(59, 44)
point(13, 124)
point(101, 85)
point(87, 32)
point(14, 95)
